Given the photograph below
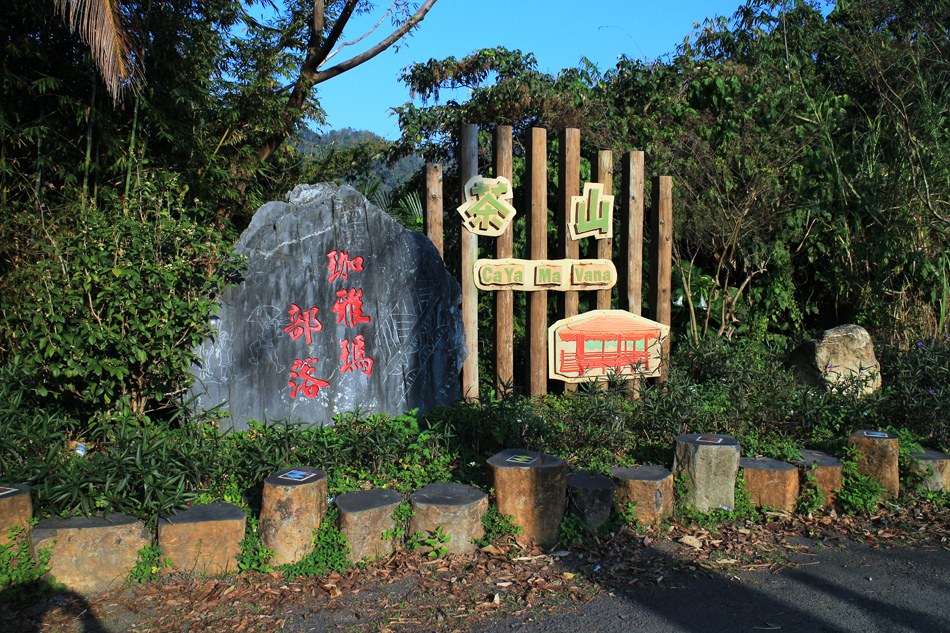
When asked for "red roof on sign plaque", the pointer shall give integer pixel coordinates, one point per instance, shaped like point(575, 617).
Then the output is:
point(607, 327)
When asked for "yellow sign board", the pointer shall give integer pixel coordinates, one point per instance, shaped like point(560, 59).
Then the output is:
point(545, 274)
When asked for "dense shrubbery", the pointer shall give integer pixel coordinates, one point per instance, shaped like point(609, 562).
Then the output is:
point(809, 155)
point(799, 180)
point(102, 306)
point(146, 468)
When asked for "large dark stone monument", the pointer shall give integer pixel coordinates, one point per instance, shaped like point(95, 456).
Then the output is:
point(340, 309)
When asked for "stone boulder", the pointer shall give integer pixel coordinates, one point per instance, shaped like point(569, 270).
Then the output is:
point(590, 497)
point(203, 539)
point(709, 464)
point(339, 308)
point(649, 488)
point(839, 358)
point(365, 518)
point(91, 554)
point(16, 510)
point(455, 508)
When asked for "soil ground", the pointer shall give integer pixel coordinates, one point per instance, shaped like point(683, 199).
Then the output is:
point(887, 572)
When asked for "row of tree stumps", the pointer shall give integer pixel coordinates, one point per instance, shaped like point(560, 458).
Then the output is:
point(535, 488)
point(90, 554)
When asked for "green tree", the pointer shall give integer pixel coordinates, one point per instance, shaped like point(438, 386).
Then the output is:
point(808, 156)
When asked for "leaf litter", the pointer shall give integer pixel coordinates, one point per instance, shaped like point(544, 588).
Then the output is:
point(408, 593)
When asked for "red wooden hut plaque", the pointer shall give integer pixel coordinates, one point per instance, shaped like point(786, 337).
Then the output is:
point(601, 343)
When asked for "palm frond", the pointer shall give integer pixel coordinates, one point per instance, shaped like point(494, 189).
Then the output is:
point(105, 26)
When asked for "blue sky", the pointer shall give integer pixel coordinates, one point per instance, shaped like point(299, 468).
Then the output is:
point(558, 32)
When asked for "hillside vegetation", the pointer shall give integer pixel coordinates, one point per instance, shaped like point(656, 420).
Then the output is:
point(811, 166)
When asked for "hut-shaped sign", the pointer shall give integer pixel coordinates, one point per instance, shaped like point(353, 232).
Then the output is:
point(602, 343)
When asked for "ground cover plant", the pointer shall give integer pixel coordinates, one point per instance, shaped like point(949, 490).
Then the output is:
point(806, 196)
point(147, 468)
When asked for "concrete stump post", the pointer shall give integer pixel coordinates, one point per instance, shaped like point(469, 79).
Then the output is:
point(91, 554)
point(827, 472)
point(590, 497)
point(878, 454)
point(532, 488)
point(650, 487)
point(293, 504)
point(364, 516)
point(934, 469)
point(456, 508)
point(710, 463)
point(770, 483)
point(204, 539)
point(16, 509)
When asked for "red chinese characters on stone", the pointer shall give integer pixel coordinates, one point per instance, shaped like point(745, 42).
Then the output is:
point(307, 384)
point(341, 265)
point(303, 322)
point(354, 356)
point(349, 307)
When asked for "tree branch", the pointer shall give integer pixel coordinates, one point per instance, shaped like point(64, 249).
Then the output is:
point(353, 62)
point(359, 39)
point(310, 77)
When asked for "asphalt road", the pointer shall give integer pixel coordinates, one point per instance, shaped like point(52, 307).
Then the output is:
point(834, 589)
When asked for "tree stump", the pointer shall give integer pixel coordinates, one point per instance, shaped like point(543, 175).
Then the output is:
point(710, 464)
point(364, 516)
point(91, 554)
point(16, 509)
point(770, 483)
point(590, 497)
point(826, 469)
point(293, 505)
point(531, 487)
point(649, 487)
point(456, 508)
point(203, 539)
point(934, 468)
point(878, 454)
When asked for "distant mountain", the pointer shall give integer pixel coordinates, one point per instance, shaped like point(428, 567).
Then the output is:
point(391, 178)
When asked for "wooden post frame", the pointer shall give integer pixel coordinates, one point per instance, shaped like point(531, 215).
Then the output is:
point(468, 168)
point(661, 256)
point(504, 299)
point(577, 348)
point(569, 184)
point(536, 169)
point(433, 208)
point(605, 176)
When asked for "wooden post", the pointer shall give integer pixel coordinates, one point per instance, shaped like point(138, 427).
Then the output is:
point(605, 176)
point(630, 275)
point(661, 258)
point(569, 184)
point(537, 188)
point(468, 167)
point(433, 218)
point(504, 299)
point(630, 282)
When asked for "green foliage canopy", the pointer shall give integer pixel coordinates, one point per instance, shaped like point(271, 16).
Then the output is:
point(809, 155)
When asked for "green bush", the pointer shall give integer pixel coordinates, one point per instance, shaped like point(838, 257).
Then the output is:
point(103, 311)
point(859, 493)
point(20, 575)
point(497, 526)
point(329, 551)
